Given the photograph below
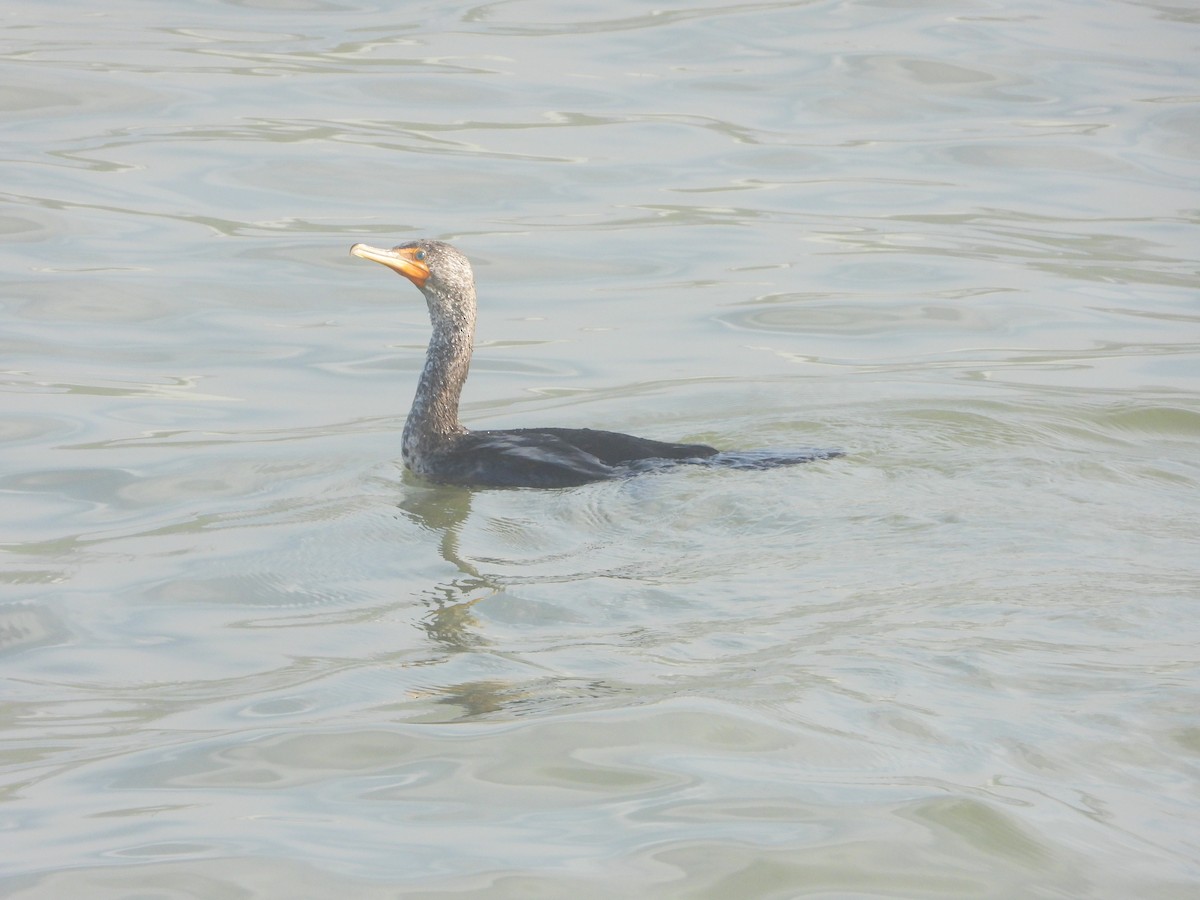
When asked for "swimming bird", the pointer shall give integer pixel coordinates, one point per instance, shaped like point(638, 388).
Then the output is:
point(437, 447)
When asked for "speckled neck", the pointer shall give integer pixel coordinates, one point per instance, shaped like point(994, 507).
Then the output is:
point(433, 420)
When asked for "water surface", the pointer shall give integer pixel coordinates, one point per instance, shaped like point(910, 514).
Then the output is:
point(245, 654)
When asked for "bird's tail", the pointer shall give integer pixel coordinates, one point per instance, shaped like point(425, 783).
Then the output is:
point(735, 459)
point(766, 459)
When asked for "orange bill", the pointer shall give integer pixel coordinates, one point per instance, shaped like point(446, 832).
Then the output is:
point(399, 259)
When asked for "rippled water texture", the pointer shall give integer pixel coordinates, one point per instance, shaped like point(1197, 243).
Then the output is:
point(244, 655)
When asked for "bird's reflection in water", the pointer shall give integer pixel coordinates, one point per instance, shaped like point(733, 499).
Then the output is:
point(451, 625)
point(450, 622)
point(478, 698)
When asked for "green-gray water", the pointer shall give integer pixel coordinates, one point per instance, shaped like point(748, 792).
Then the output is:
point(243, 655)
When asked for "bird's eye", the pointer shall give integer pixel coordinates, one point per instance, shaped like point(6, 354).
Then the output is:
point(419, 255)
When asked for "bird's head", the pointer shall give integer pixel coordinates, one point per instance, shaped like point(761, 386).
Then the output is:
point(441, 272)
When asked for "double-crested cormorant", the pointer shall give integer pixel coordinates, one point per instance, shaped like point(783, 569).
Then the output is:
point(437, 446)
